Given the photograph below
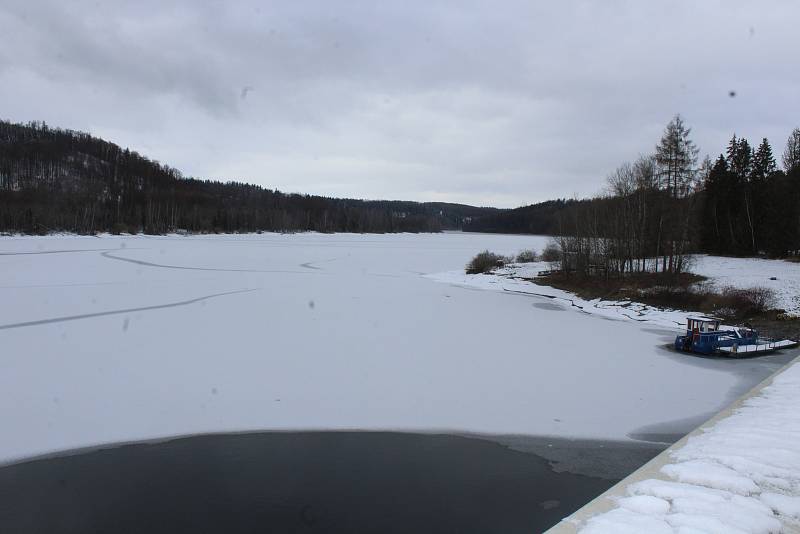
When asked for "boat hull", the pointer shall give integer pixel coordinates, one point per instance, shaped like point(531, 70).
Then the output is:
point(734, 348)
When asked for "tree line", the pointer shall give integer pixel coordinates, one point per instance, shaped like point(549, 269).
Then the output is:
point(54, 179)
point(645, 221)
point(751, 206)
point(664, 206)
point(661, 207)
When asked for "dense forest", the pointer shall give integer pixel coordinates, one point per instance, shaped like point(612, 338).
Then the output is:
point(62, 180)
point(750, 205)
point(657, 209)
point(541, 218)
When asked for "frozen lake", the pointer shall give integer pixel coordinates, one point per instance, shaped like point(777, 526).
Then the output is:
point(123, 338)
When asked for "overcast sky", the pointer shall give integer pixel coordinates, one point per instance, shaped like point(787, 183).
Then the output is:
point(488, 103)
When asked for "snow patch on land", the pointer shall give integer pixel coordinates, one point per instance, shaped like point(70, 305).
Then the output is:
point(740, 475)
point(744, 273)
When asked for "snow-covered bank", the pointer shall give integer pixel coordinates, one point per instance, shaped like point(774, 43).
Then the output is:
point(123, 338)
point(738, 474)
point(782, 277)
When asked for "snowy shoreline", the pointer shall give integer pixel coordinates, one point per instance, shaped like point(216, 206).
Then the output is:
point(782, 277)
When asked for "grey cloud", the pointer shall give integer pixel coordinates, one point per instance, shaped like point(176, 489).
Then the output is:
point(487, 102)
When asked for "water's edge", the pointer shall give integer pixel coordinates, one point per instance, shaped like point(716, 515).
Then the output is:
point(312, 482)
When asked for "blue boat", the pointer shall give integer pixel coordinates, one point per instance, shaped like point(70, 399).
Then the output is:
point(706, 335)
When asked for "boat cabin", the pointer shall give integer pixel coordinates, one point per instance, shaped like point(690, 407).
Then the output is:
point(702, 325)
point(704, 335)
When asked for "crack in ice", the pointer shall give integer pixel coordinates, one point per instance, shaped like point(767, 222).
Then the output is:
point(187, 268)
point(118, 312)
point(56, 251)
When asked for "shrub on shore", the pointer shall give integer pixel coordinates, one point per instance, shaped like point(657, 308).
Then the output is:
point(551, 253)
point(119, 228)
point(527, 256)
point(484, 262)
point(727, 303)
point(750, 301)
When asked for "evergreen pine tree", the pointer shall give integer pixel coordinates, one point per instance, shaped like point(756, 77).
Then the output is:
point(763, 162)
point(757, 195)
point(712, 239)
point(676, 156)
point(740, 157)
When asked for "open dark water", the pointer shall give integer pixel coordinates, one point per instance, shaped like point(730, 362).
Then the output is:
point(293, 482)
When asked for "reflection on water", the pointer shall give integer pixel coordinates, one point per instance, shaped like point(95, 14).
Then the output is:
point(292, 482)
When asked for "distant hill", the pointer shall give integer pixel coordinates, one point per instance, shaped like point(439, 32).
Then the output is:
point(539, 218)
point(63, 180)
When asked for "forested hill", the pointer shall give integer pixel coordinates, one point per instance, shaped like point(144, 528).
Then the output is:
point(539, 218)
point(63, 180)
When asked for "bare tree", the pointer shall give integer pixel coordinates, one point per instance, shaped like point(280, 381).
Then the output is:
point(791, 155)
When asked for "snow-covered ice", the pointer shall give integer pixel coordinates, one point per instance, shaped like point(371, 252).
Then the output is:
point(124, 338)
point(741, 474)
point(515, 278)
